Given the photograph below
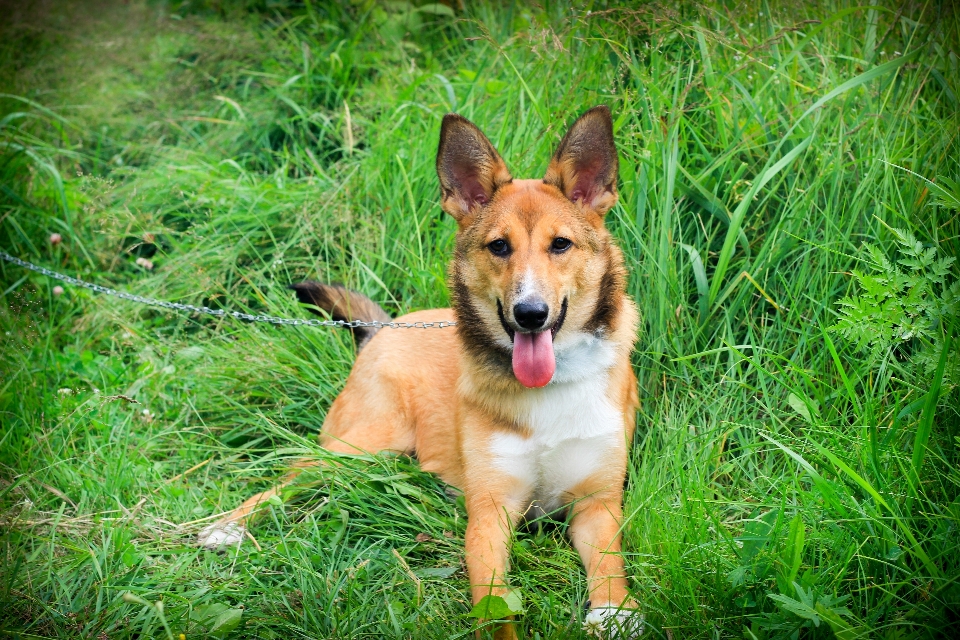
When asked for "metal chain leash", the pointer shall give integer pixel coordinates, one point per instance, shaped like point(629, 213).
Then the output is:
point(249, 317)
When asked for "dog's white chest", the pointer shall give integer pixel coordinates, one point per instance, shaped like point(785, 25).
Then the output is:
point(574, 430)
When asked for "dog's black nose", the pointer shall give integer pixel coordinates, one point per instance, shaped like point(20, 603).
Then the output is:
point(531, 315)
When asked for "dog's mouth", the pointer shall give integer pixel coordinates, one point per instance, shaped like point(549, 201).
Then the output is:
point(533, 359)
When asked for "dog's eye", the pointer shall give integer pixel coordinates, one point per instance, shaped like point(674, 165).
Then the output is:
point(559, 245)
point(499, 247)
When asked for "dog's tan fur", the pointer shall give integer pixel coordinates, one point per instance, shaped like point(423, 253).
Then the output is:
point(450, 398)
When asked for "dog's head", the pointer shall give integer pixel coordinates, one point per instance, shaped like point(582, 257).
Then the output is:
point(535, 273)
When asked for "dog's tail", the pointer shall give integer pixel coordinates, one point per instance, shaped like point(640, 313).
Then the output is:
point(343, 304)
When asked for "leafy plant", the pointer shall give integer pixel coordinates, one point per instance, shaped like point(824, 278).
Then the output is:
point(912, 300)
point(216, 620)
point(809, 611)
point(493, 607)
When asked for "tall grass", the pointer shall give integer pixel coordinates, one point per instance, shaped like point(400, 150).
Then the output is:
point(783, 483)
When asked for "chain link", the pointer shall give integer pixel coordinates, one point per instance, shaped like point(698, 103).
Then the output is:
point(249, 317)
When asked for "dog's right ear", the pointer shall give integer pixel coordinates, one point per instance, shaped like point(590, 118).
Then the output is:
point(469, 168)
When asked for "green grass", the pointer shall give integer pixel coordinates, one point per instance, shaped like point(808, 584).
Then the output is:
point(783, 483)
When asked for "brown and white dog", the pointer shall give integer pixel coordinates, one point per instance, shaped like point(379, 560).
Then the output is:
point(528, 404)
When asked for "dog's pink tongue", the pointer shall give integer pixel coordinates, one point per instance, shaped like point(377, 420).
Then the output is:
point(533, 361)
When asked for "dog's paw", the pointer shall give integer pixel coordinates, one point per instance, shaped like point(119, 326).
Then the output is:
point(220, 535)
point(613, 622)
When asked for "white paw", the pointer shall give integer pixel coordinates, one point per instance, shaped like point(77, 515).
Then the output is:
point(220, 535)
point(613, 622)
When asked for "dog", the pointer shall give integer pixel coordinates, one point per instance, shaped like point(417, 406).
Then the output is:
point(528, 404)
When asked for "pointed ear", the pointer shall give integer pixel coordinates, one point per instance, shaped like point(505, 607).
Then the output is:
point(585, 164)
point(470, 169)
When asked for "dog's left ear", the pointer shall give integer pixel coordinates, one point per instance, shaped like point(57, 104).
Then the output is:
point(585, 164)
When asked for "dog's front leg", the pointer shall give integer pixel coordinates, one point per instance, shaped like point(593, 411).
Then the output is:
point(595, 533)
point(491, 518)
